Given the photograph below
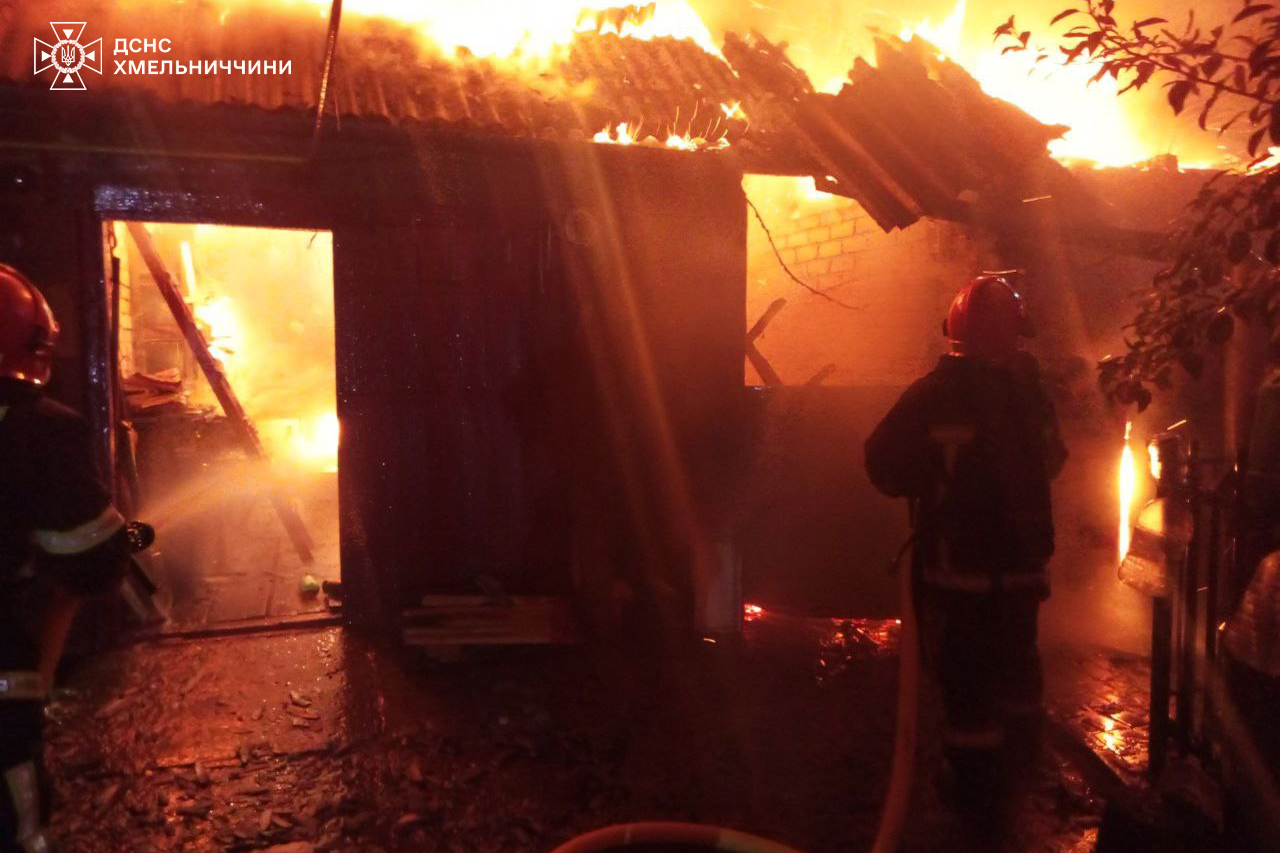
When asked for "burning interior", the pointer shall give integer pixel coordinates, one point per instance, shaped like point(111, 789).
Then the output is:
point(232, 446)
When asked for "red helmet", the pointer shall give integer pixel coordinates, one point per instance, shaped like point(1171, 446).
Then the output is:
point(986, 319)
point(28, 330)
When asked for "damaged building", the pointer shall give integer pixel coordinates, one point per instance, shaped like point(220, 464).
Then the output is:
point(534, 335)
point(497, 381)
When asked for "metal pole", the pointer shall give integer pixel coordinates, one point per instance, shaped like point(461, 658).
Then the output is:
point(1161, 670)
point(1188, 598)
point(1213, 567)
point(330, 51)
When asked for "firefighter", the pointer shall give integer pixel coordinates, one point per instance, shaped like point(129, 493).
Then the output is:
point(61, 540)
point(973, 446)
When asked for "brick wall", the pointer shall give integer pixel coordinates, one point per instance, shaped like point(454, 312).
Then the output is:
point(898, 283)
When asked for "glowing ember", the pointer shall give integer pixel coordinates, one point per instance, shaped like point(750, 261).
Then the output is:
point(626, 134)
point(1153, 460)
point(752, 612)
point(1127, 480)
point(683, 143)
point(620, 135)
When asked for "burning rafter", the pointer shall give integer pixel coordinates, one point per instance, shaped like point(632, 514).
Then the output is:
point(248, 435)
point(914, 135)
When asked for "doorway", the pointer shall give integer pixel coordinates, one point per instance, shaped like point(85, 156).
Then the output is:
point(224, 346)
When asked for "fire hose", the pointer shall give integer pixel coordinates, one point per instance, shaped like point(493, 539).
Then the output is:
point(892, 816)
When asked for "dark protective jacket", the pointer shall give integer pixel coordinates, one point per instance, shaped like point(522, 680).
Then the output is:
point(57, 521)
point(974, 446)
point(57, 524)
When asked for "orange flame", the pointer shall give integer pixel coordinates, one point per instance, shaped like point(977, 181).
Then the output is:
point(531, 32)
point(1105, 130)
point(1127, 486)
point(625, 134)
point(219, 317)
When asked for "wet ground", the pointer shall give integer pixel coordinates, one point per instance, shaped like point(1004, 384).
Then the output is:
point(314, 741)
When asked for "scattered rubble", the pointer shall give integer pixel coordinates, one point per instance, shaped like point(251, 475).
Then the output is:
point(327, 747)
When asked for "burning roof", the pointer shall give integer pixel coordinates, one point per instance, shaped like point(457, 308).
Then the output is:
point(906, 138)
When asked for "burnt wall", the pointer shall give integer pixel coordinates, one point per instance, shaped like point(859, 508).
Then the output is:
point(816, 534)
point(536, 386)
point(509, 313)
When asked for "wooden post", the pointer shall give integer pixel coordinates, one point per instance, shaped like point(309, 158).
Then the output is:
point(222, 389)
point(758, 361)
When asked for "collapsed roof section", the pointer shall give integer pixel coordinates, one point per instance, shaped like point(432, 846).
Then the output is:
point(907, 137)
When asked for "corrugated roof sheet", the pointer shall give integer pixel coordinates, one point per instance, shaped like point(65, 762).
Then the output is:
point(906, 138)
point(384, 69)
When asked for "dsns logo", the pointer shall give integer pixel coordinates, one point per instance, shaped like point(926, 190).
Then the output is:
point(66, 56)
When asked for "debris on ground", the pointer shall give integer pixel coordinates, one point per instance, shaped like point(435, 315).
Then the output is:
point(327, 745)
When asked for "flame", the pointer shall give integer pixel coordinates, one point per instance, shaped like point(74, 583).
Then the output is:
point(1127, 485)
point(621, 135)
point(219, 316)
point(262, 298)
point(947, 35)
point(752, 612)
point(1153, 461)
point(189, 269)
point(531, 32)
point(1105, 131)
point(315, 442)
point(683, 143)
point(625, 134)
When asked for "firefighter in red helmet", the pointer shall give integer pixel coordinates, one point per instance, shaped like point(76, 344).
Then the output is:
point(61, 539)
point(973, 445)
